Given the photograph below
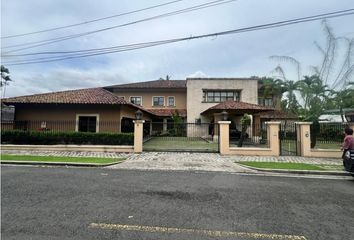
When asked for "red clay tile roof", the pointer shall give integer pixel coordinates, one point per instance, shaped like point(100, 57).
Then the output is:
point(81, 96)
point(153, 84)
point(168, 112)
point(277, 114)
point(233, 105)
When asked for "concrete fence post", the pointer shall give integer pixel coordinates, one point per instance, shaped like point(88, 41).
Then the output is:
point(224, 140)
point(273, 137)
point(305, 138)
point(138, 135)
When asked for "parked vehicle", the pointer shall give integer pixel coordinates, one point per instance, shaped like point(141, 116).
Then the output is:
point(235, 134)
point(348, 162)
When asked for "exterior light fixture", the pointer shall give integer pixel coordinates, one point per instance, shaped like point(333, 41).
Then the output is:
point(138, 115)
point(224, 115)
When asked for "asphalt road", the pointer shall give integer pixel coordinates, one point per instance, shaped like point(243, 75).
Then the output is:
point(91, 203)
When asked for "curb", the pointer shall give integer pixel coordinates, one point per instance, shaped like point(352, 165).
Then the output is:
point(57, 164)
point(312, 172)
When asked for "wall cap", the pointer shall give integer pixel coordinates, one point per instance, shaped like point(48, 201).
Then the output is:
point(272, 123)
point(138, 121)
point(303, 123)
point(224, 122)
point(250, 149)
point(326, 150)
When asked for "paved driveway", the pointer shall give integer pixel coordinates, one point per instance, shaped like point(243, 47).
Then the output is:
point(181, 161)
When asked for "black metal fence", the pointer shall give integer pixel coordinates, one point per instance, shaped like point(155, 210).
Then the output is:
point(327, 135)
point(288, 139)
point(171, 136)
point(252, 136)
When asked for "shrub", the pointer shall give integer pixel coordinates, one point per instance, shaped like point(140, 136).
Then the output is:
point(48, 138)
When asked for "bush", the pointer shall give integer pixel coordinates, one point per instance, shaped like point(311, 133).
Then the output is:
point(48, 138)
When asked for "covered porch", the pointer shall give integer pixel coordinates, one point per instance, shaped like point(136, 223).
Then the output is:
point(233, 111)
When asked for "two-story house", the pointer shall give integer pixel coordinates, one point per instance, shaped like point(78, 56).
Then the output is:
point(196, 100)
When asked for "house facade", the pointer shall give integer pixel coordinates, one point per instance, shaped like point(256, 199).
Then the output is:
point(112, 108)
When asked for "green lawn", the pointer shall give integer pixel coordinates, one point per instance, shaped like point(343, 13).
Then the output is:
point(51, 159)
point(179, 143)
point(292, 166)
point(290, 145)
point(334, 145)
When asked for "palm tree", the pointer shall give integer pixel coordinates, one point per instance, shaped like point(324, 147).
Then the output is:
point(168, 77)
point(315, 95)
point(273, 88)
point(291, 87)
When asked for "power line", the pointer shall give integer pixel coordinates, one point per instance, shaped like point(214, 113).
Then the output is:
point(319, 16)
point(109, 50)
point(59, 39)
point(91, 21)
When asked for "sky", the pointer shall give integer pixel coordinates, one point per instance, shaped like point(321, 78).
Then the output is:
point(238, 55)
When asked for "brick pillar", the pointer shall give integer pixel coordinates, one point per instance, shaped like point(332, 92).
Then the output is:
point(224, 136)
point(138, 135)
point(305, 138)
point(273, 137)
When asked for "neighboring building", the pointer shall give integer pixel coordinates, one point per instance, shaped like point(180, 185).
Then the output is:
point(196, 100)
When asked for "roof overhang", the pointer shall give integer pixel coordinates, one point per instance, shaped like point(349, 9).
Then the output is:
point(239, 108)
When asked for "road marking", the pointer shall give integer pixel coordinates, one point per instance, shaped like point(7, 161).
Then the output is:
point(208, 233)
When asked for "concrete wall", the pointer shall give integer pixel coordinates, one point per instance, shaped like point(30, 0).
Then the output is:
point(147, 97)
point(305, 144)
point(195, 104)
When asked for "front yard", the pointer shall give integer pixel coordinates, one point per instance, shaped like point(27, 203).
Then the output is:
point(180, 144)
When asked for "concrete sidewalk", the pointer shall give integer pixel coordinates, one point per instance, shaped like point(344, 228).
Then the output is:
point(182, 160)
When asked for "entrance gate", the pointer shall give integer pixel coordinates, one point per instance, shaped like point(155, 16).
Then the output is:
point(288, 139)
point(188, 137)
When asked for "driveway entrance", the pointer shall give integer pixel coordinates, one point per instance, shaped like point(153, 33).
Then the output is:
point(188, 137)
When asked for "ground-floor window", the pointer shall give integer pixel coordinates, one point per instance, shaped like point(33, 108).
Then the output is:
point(87, 123)
point(127, 125)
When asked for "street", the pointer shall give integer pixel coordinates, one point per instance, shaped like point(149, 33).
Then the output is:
point(96, 203)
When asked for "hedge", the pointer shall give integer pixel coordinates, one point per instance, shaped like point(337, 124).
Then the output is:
point(49, 138)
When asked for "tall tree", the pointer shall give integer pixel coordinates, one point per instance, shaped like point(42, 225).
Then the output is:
point(5, 78)
point(168, 77)
point(335, 71)
point(271, 87)
point(315, 95)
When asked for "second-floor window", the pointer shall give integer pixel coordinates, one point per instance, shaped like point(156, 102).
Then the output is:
point(135, 100)
point(171, 101)
point(220, 96)
point(158, 101)
point(265, 101)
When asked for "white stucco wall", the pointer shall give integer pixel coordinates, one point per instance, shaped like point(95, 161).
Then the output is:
point(195, 104)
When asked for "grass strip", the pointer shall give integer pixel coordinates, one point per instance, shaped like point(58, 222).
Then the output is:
point(292, 166)
point(30, 158)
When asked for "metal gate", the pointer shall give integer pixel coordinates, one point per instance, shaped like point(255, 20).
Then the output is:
point(187, 137)
point(288, 139)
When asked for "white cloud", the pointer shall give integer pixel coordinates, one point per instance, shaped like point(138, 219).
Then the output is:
point(198, 74)
point(61, 79)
